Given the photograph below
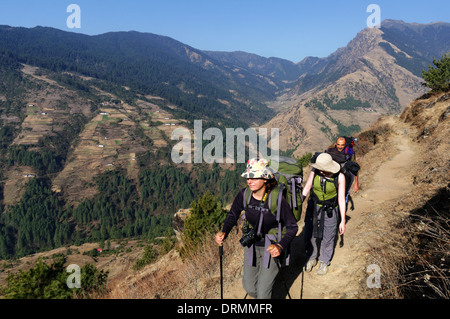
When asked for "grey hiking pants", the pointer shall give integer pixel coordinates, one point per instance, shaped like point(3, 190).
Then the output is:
point(322, 248)
point(258, 280)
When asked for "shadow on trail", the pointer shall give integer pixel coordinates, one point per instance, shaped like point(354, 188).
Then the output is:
point(289, 274)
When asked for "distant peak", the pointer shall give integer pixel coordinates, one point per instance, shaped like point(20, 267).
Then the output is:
point(392, 23)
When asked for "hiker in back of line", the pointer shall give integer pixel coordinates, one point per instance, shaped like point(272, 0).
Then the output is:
point(325, 214)
point(343, 152)
point(260, 269)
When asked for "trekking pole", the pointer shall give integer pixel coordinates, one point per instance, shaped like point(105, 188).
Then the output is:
point(301, 288)
point(221, 270)
point(277, 261)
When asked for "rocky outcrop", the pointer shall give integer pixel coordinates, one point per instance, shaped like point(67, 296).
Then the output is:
point(178, 221)
point(376, 71)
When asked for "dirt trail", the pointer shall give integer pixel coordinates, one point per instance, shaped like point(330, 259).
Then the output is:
point(366, 227)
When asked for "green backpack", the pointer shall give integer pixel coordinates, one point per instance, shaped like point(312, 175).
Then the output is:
point(289, 174)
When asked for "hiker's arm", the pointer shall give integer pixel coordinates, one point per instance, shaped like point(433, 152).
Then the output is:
point(232, 217)
point(341, 201)
point(356, 184)
point(290, 222)
point(308, 184)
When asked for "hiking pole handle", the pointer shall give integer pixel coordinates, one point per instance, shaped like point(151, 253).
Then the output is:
point(221, 245)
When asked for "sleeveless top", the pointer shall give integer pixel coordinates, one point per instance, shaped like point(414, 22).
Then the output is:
point(325, 188)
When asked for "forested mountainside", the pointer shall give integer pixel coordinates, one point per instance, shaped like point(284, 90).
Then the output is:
point(86, 121)
point(148, 64)
point(86, 160)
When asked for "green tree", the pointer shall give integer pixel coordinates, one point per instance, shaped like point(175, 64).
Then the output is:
point(305, 159)
point(45, 281)
point(207, 214)
point(438, 78)
point(93, 282)
point(149, 256)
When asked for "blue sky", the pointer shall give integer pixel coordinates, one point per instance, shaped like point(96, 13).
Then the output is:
point(289, 29)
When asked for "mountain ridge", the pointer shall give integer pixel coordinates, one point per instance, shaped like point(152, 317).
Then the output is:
point(371, 73)
point(149, 64)
point(85, 112)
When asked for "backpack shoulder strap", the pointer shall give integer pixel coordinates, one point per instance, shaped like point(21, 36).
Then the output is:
point(246, 198)
point(275, 199)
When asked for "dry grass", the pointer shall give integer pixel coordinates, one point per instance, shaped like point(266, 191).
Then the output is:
point(415, 260)
point(415, 257)
point(376, 134)
point(426, 266)
point(197, 277)
point(372, 149)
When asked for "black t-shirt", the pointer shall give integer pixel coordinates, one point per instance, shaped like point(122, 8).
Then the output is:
point(269, 220)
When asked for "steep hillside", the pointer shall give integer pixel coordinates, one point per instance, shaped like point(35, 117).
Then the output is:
point(199, 86)
point(86, 160)
point(281, 71)
point(377, 73)
point(86, 121)
point(401, 212)
point(399, 226)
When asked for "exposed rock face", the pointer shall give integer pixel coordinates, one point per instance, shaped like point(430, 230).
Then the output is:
point(377, 73)
point(178, 221)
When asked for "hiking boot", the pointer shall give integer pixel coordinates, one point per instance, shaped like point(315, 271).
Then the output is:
point(323, 268)
point(310, 264)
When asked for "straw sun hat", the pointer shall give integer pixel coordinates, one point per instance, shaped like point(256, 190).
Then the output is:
point(324, 162)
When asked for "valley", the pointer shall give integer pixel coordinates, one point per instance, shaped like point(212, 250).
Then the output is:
point(86, 144)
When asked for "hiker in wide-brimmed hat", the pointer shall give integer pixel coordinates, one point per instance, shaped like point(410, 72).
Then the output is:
point(325, 214)
point(260, 270)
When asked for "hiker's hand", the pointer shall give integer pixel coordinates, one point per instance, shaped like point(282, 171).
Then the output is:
point(355, 187)
point(342, 228)
point(274, 250)
point(220, 236)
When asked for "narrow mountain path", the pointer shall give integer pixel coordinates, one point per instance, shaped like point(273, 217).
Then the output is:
point(367, 228)
point(367, 225)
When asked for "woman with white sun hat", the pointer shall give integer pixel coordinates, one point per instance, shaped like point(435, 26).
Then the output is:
point(325, 214)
